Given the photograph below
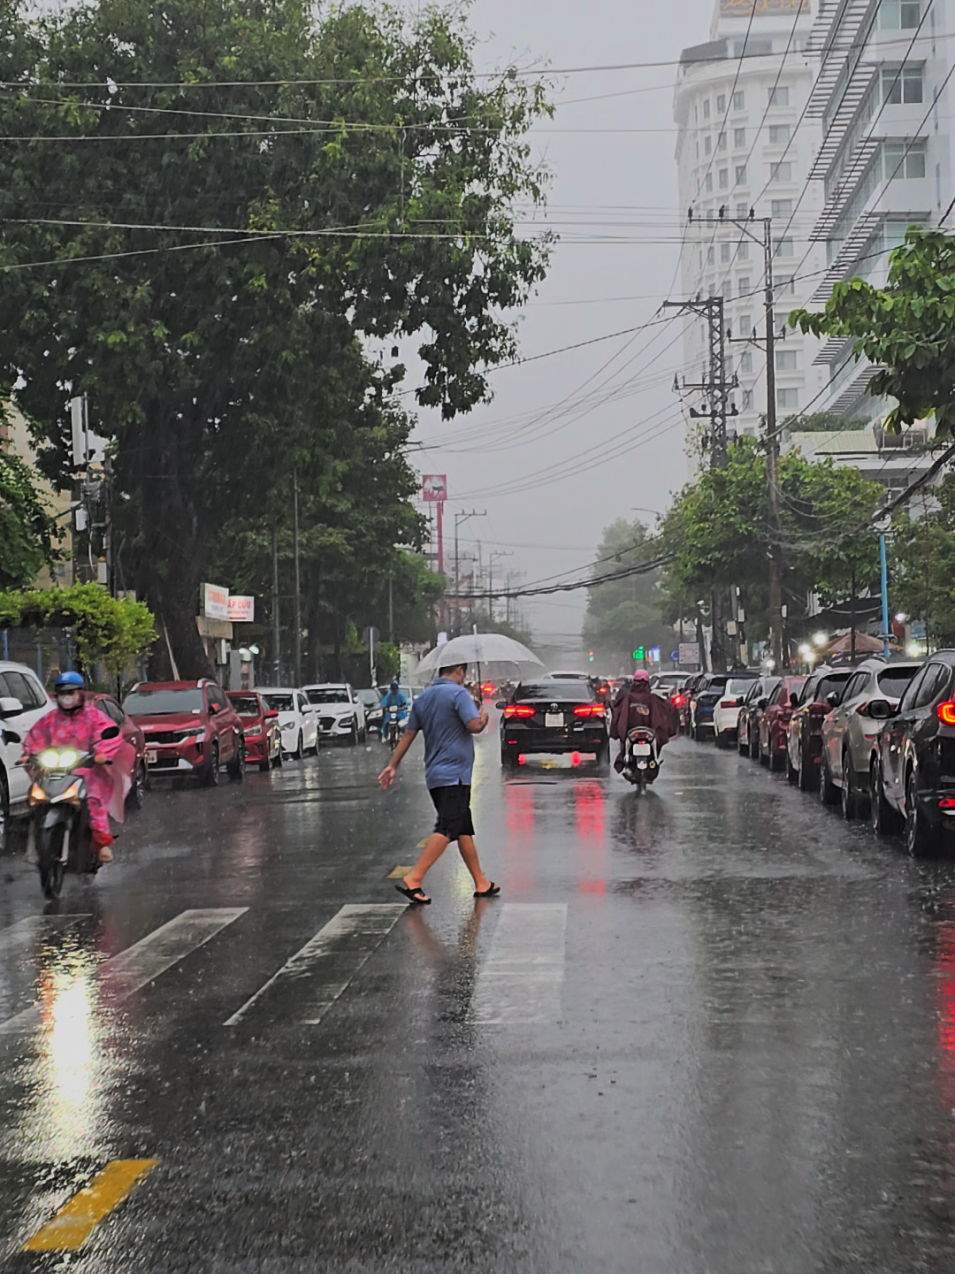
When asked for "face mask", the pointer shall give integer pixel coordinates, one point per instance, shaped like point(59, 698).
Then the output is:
point(68, 701)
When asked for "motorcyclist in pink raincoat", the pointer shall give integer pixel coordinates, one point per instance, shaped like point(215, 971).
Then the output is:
point(640, 706)
point(76, 723)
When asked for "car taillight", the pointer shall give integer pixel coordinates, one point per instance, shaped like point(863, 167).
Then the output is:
point(677, 701)
point(946, 713)
point(518, 710)
point(727, 703)
point(947, 803)
point(590, 710)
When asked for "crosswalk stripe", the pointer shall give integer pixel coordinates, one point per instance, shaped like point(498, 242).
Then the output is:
point(328, 961)
point(520, 982)
point(134, 968)
point(79, 1216)
point(25, 932)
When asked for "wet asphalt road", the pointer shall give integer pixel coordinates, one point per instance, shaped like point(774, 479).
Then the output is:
point(711, 1031)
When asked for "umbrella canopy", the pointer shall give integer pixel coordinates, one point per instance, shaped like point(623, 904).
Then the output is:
point(864, 644)
point(498, 656)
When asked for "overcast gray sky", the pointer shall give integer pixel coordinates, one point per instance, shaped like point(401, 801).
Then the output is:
point(604, 185)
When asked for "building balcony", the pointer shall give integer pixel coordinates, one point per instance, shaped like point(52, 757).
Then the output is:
point(835, 36)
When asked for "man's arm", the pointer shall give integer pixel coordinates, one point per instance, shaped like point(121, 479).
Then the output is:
point(387, 776)
point(478, 723)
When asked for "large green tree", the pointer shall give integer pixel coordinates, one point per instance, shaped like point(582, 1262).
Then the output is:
point(923, 566)
point(28, 531)
point(623, 614)
point(211, 209)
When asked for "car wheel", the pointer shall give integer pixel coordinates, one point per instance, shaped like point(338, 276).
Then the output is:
point(805, 778)
point(236, 767)
point(720, 739)
point(603, 758)
point(882, 817)
point(279, 758)
point(137, 793)
point(754, 750)
point(921, 838)
point(828, 792)
point(791, 772)
point(265, 765)
point(848, 797)
point(299, 749)
point(353, 737)
point(741, 747)
point(210, 776)
point(4, 813)
point(509, 755)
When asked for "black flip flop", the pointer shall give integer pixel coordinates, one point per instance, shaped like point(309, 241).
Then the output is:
point(412, 895)
point(491, 892)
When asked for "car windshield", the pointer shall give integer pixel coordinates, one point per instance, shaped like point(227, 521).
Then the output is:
point(156, 703)
point(892, 681)
point(568, 691)
point(245, 705)
point(327, 694)
point(280, 703)
point(835, 681)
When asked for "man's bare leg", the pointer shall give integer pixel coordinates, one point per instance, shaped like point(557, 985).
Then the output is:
point(468, 851)
point(434, 848)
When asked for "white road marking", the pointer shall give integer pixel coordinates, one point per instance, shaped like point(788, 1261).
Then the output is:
point(25, 932)
point(328, 962)
point(521, 980)
point(140, 964)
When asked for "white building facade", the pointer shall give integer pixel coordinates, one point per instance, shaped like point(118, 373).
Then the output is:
point(744, 144)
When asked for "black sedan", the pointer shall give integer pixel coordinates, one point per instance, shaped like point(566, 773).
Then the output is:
point(913, 775)
point(554, 716)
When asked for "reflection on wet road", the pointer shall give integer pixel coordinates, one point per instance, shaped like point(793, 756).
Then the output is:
point(707, 1030)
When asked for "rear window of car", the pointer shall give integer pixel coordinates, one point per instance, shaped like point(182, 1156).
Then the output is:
point(573, 691)
point(154, 703)
point(245, 705)
point(280, 703)
point(739, 688)
point(330, 694)
point(892, 681)
point(828, 684)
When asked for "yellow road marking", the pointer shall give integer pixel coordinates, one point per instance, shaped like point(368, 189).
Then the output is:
point(79, 1216)
point(398, 873)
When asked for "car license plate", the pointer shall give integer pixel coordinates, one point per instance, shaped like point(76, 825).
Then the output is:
point(554, 719)
point(641, 749)
point(152, 757)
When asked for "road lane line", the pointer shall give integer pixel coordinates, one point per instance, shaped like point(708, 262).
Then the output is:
point(140, 964)
point(328, 961)
point(399, 873)
point(521, 979)
point(25, 932)
point(79, 1216)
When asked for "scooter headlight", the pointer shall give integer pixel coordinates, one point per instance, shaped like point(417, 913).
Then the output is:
point(37, 794)
point(72, 793)
point(49, 759)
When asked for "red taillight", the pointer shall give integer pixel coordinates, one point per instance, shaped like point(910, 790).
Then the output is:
point(677, 700)
point(488, 689)
point(590, 710)
point(946, 713)
point(518, 710)
point(947, 803)
point(727, 703)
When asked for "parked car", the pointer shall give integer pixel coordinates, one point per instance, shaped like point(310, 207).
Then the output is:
point(260, 728)
point(133, 735)
point(751, 710)
point(705, 698)
point(23, 701)
point(667, 682)
point(727, 708)
point(804, 745)
point(338, 710)
point(773, 726)
point(190, 728)
point(374, 713)
point(299, 728)
point(549, 716)
point(912, 780)
point(850, 733)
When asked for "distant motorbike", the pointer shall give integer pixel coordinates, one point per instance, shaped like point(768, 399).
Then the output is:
point(641, 763)
point(395, 721)
point(60, 813)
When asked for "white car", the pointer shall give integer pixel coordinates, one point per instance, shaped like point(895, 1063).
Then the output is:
point(726, 710)
point(339, 712)
point(23, 701)
point(298, 726)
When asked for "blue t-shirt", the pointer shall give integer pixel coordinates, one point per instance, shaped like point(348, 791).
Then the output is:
point(443, 712)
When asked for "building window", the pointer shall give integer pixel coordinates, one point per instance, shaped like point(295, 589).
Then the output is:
point(747, 400)
point(727, 290)
point(709, 183)
point(739, 136)
point(697, 150)
point(720, 103)
point(781, 172)
point(742, 211)
point(696, 114)
point(903, 160)
point(787, 399)
point(778, 134)
point(707, 145)
point(779, 96)
point(710, 255)
point(786, 287)
point(899, 15)
point(724, 179)
point(746, 325)
point(901, 84)
point(706, 109)
point(744, 285)
point(741, 174)
point(726, 250)
point(742, 252)
point(782, 207)
point(784, 248)
point(785, 360)
point(739, 101)
point(721, 144)
point(746, 361)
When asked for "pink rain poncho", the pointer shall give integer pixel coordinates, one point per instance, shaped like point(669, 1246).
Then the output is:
point(83, 730)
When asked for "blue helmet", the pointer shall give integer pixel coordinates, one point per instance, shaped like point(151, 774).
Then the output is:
point(69, 681)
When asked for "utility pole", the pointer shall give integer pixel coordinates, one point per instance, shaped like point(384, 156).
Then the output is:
point(276, 629)
point(460, 518)
point(297, 655)
point(490, 578)
point(391, 609)
point(716, 406)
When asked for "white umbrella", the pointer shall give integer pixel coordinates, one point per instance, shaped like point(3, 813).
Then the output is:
point(492, 654)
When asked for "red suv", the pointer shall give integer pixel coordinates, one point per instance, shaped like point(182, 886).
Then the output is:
point(260, 726)
point(190, 728)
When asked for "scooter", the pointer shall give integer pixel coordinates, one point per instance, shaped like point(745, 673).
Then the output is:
point(641, 760)
point(396, 718)
point(61, 825)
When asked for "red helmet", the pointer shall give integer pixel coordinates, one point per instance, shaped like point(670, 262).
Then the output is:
point(640, 676)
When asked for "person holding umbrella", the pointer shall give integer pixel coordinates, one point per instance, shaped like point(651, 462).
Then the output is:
point(448, 717)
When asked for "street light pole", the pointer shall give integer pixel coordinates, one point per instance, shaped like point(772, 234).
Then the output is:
point(772, 458)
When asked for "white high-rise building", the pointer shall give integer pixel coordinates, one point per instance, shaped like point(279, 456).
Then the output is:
point(744, 144)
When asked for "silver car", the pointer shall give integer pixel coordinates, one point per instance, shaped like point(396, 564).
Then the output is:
point(850, 735)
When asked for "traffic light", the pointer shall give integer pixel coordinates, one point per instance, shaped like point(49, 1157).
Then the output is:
point(638, 654)
point(591, 656)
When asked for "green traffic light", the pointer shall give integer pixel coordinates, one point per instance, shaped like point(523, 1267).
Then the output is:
point(638, 653)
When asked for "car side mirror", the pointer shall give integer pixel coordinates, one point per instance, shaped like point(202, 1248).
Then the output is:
point(881, 710)
point(10, 736)
point(10, 707)
point(832, 698)
point(111, 732)
point(501, 703)
point(762, 703)
point(213, 709)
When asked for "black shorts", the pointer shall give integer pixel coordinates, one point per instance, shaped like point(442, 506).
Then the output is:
point(454, 811)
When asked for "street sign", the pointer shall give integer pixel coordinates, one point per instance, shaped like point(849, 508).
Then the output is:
point(689, 653)
point(434, 487)
point(675, 656)
point(214, 601)
point(370, 636)
point(241, 609)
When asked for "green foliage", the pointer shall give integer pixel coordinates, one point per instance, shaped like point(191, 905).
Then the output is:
point(28, 531)
point(717, 533)
point(820, 422)
point(624, 613)
point(923, 566)
point(387, 662)
point(113, 631)
point(908, 326)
